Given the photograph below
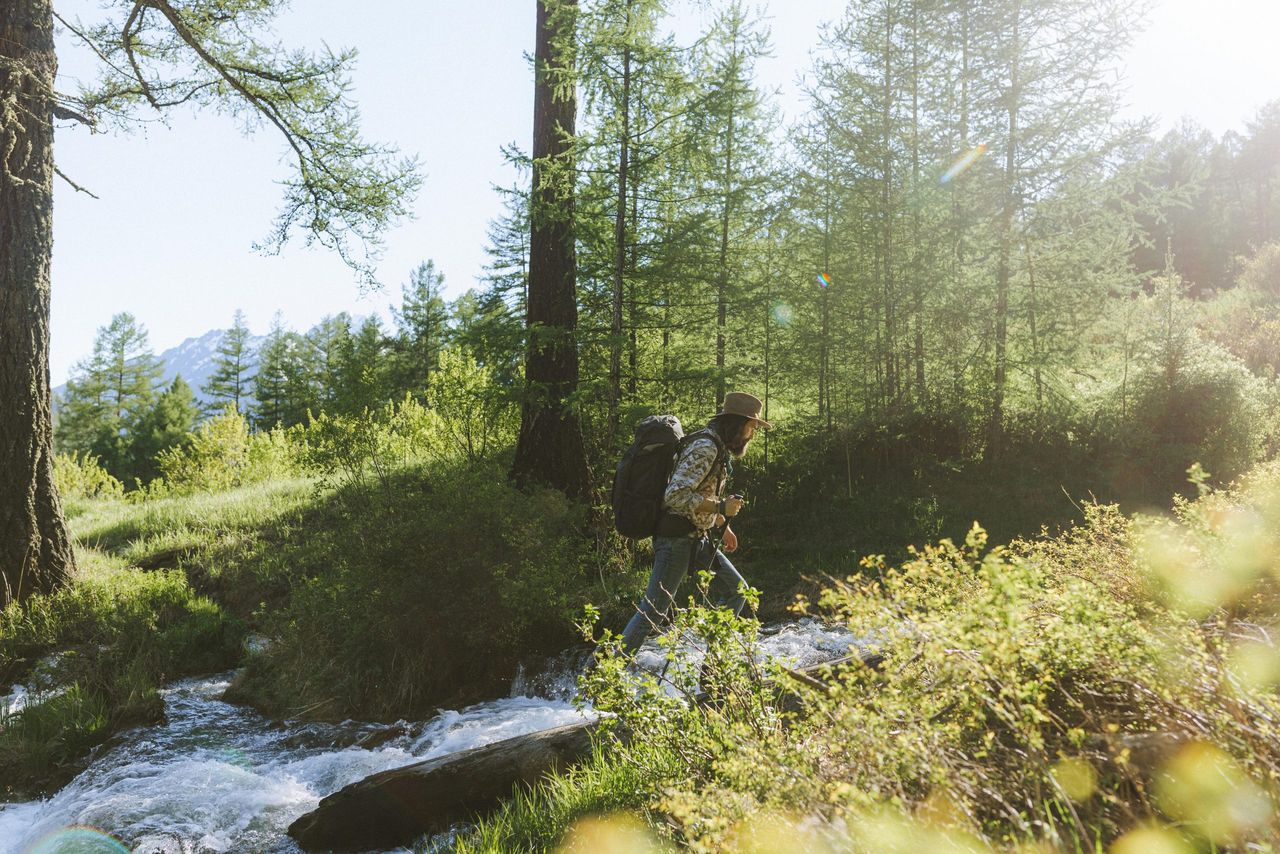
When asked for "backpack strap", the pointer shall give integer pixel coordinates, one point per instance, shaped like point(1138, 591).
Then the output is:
point(672, 524)
point(722, 453)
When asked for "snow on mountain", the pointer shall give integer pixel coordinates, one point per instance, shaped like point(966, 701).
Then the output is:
point(193, 360)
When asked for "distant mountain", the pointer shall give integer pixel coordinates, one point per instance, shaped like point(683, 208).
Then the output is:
point(192, 359)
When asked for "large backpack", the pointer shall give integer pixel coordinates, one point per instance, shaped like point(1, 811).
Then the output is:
point(641, 477)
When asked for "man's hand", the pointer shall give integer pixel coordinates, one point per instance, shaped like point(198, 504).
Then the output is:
point(720, 521)
point(733, 505)
point(730, 541)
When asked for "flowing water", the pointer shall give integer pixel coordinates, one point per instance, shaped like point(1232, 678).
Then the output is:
point(216, 777)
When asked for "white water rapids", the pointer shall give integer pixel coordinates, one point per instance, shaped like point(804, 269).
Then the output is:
point(216, 777)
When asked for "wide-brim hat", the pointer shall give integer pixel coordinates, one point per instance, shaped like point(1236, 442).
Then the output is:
point(747, 405)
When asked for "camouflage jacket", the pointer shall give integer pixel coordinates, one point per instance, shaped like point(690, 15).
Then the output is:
point(692, 481)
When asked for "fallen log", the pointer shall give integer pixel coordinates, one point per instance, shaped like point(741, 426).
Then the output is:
point(395, 807)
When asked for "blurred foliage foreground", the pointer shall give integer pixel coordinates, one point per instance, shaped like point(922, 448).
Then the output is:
point(1112, 688)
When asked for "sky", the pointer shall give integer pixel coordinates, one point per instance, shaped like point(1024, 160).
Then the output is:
point(181, 203)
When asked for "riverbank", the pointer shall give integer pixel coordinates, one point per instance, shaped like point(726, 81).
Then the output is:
point(219, 776)
point(376, 600)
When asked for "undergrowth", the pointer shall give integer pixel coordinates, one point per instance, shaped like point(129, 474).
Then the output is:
point(1109, 688)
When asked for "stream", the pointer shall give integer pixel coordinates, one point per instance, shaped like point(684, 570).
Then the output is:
point(217, 777)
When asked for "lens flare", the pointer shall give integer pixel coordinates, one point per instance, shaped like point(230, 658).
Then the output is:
point(824, 281)
point(782, 314)
point(77, 840)
point(962, 165)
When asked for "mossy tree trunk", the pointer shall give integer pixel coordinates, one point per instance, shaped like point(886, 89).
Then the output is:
point(35, 550)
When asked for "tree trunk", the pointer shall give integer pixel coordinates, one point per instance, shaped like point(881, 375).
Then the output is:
point(995, 439)
point(550, 449)
point(35, 550)
point(620, 240)
point(722, 279)
point(886, 188)
point(917, 285)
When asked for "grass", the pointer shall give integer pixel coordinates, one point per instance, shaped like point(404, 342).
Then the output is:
point(119, 633)
point(536, 819)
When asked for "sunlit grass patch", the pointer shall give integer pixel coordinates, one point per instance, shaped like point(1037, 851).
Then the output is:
point(541, 818)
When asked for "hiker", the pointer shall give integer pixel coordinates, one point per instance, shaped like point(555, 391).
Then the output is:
point(692, 505)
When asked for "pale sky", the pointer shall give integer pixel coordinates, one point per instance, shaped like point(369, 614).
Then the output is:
point(170, 237)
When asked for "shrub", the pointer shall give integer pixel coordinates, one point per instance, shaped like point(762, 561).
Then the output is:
point(1066, 690)
point(1210, 410)
point(81, 476)
point(438, 576)
point(223, 454)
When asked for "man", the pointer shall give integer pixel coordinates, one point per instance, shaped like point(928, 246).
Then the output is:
point(693, 504)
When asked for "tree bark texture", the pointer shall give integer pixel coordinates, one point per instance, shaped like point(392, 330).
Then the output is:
point(35, 550)
point(550, 449)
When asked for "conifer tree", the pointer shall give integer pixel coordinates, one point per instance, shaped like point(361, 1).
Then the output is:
point(169, 422)
point(109, 395)
point(550, 447)
point(422, 325)
point(343, 192)
point(233, 364)
point(734, 123)
point(270, 403)
point(362, 369)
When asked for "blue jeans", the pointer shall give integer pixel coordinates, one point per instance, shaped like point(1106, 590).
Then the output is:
point(673, 559)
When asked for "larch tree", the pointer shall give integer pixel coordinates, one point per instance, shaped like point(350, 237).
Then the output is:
point(421, 326)
point(550, 449)
point(233, 364)
point(154, 54)
point(735, 122)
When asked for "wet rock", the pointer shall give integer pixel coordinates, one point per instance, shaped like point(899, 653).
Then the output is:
point(397, 806)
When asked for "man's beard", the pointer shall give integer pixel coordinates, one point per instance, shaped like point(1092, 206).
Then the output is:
point(738, 447)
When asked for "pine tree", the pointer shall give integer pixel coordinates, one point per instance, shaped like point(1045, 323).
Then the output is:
point(109, 395)
point(233, 363)
point(169, 422)
point(421, 330)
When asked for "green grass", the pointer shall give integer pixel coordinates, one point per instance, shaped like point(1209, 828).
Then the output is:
point(536, 819)
point(119, 633)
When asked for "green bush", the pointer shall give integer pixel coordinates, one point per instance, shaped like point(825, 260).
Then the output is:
point(81, 477)
point(1209, 409)
point(223, 454)
point(1065, 691)
point(433, 578)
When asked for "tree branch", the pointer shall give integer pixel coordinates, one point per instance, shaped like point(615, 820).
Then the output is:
point(73, 184)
